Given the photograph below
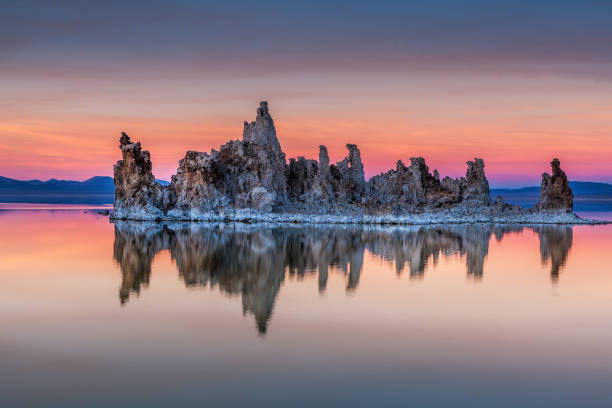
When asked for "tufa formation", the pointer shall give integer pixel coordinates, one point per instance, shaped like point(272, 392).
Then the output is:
point(555, 192)
point(252, 176)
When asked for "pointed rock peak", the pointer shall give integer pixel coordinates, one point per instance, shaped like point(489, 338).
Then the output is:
point(475, 170)
point(555, 192)
point(555, 165)
point(418, 167)
point(354, 158)
point(262, 130)
point(263, 109)
point(323, 158)
point(353, 151)
point(476, 164)
point(350, 171)
point(263, 115)
point(124, 139)
point(417, 162)
point(126, 145)
point(476, 188)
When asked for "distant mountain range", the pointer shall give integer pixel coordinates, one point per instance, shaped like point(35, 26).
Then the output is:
point(100, 190)
point(588, 196)
point(580, 188)
point(97, 184)
point(95, 190)
point(93, 185)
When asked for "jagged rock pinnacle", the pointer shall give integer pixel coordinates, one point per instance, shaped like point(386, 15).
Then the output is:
point(476, 188)
point(253, 173)
point(555, 192)
point(262, 111)
point(124, 140)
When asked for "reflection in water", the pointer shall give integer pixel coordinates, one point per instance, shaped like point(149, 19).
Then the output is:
point(555, 243)
point(252, 260)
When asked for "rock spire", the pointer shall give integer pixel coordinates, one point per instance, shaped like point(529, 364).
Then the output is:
point(555, 192)
point(253, 174)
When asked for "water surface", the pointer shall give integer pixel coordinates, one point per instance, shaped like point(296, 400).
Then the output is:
point(98, 314)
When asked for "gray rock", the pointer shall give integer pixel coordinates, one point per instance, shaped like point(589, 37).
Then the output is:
point(555, 192)
point(476, 186)
point(253, 174)
point(301, 176)
point(136, 191)
point(248, 173)
point(265, 154)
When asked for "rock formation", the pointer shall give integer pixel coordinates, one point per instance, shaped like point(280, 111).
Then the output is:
point(253, 174)
point(137, 194)
point(555, 192)
point(410, 188)
point(301, 177)
point(247, 173)
point(476, 187)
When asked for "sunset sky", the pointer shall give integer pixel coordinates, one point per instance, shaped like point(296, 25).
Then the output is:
point(514, 82)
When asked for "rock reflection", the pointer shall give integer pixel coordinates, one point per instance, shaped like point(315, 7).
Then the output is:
point(555, 243)
point(253, 260)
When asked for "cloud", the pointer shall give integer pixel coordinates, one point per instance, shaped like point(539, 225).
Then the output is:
point(396, 77)
point(230, 39)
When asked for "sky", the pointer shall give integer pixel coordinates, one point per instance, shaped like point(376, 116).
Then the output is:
point(513, 82)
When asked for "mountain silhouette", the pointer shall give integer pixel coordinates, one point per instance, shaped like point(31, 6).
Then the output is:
point(588, 196)
point(94, 190)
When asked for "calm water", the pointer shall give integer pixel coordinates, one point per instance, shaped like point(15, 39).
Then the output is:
point(96, 314)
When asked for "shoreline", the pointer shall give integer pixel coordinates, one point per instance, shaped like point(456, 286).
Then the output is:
point(252, 217)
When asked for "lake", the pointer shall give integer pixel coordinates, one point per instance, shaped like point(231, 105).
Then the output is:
point(130, 314)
